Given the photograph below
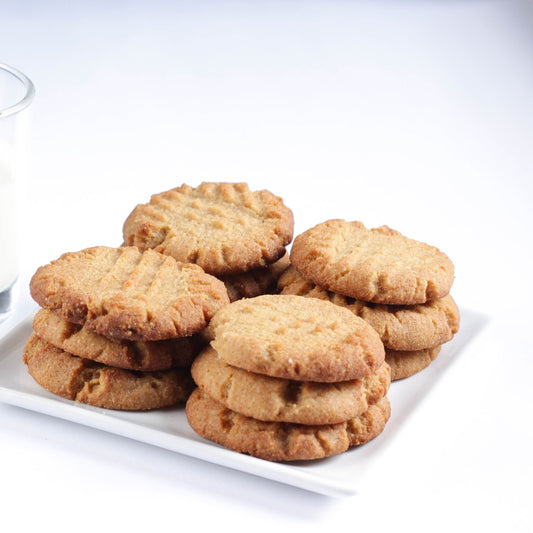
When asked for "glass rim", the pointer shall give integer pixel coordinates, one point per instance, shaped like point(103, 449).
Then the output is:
point(28, 86)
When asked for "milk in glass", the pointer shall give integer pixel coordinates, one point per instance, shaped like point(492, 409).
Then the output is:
point(8, 221)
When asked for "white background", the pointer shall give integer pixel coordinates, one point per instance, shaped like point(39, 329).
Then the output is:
point(414, 114)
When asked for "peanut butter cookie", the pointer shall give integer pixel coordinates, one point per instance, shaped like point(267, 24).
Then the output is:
point(280, 441)
point(146, 356)
point(298, 338)
point(91, 383)
point(377, 265)
point(407, 363)
point(127, 294)
point(223, 227)
point(281, 400)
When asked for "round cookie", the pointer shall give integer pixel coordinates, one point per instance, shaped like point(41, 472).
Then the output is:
point(407, 363)
point(147, 356)
point(413, 327)
point(127, 294)
point(297, 338)
point(377, 265)
point(281, 400)
point(279, 441)
point(91, 383)
point(223, 227)
point(255, 282)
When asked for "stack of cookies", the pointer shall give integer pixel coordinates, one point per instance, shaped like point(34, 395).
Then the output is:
point(119, 328)
point(398, 285)
point(288, 378)
point(185, 311)
point(233, 233)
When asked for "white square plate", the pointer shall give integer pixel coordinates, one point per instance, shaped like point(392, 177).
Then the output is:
point(168, 428)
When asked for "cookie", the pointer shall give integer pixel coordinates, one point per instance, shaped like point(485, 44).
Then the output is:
point(404, 364)
point(280, 441)
point(127, 294)
point(294, 337)
point(377, 265)
point(131, 355)
point(223, 227)
point(370, 424)
point(255, 282)
point(281, 400)
point(95, 384)
point(407, 328)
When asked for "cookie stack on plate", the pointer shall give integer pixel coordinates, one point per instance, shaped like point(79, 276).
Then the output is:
point(398, 285)
point(288, 378)
point(233, 233)
point(119, 328)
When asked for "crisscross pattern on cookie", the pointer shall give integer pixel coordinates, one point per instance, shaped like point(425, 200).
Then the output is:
point(123, 293)
point(296, 338)
point(223, 227)
point(376, 265)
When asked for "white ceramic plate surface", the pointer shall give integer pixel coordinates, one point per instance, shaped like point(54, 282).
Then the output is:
point(168, 428)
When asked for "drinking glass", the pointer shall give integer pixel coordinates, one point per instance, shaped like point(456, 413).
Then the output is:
point(16, 94)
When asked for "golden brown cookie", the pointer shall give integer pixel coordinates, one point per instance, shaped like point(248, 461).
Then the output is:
point(280, 441)
point(223, 227)
point(377, 265)
point(298, 338)
point(147, 356)
point(407, 363)
point(91, 383)
point(281, 400)
point(127, 294)
point(255, 282)
point(413, 327)
point(370, 424)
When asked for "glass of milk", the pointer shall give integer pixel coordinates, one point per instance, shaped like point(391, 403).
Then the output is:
point(16, 95)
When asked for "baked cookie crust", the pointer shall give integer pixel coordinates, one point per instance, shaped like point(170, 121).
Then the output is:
point(91, 383)
point(279, 441)
point(400, 327)
point(281, 400)
point(126, 294)
point(224, 227)
point(255, 282)
point(404, 364)
point(293, 337)
point(377, 265)
point(146, 356)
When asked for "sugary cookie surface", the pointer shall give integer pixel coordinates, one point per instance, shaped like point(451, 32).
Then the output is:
point(224, 227)
point(294, 337)
point(376, 265)
point(127, 294)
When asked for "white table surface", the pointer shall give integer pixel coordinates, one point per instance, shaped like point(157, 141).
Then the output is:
point(414, 114)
